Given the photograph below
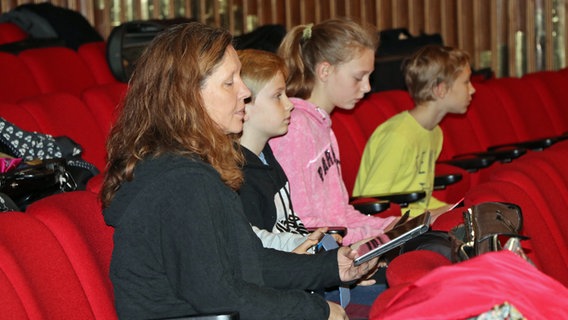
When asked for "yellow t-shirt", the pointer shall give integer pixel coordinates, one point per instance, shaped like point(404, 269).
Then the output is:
point(400, 156)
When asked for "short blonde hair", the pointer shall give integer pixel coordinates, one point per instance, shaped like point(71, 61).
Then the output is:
point(430, 66)
point(259, 67)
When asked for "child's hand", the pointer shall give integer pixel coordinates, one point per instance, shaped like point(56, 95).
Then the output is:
point(312, 240)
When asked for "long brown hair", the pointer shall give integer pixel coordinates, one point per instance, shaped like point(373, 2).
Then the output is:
point(335, 41)
point(163, 110)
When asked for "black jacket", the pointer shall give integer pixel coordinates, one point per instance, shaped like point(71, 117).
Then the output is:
point(262, 186)
point(182, 245)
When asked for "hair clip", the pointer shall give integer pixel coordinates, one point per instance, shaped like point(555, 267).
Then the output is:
point(307, 34)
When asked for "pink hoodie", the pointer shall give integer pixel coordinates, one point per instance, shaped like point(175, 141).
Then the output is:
point(309, 155)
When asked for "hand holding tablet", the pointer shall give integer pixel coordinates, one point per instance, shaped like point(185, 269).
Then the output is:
point(393, 238)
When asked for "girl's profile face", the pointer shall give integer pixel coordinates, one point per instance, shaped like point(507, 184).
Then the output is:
point(224, 94)
point(269, 114)
point(348, 82)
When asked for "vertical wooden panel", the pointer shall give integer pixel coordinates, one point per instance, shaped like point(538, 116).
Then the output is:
point(432, 16)
point(416, 16)
point(481, 34)
point(549, 45)
point(505, 34)
point(384, 14)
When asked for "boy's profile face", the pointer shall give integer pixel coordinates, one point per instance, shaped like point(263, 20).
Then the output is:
point(458, 96)
point(269, 114)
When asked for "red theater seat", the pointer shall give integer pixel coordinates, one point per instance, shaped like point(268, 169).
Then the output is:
point(514, 183)
point(104, 102)
point(16, 81)
point(62, 114)
point(58, 69)
point(35, 265)
point(551, 87)
point(94, 55)
point(11, 32)
point(76, 220)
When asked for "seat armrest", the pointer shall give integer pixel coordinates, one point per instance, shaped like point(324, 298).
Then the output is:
point(470, 163)
point(443, 180)
point(220, 316)
point(505, 153)
point(342, 231)
point(538, 144)
point(369, 206)
point(400, 198)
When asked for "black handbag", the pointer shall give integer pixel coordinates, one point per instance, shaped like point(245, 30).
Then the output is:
point(34, 180)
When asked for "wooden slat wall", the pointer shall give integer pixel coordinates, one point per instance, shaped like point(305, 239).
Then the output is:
point(512, 37)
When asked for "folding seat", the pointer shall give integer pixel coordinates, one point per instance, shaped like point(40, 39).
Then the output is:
point(62, 114)
point(58, 69)
point(104, 102)
point(33, 262)
point(76, 220)
point(10, 32)
point(94, 55)
point(16, 81)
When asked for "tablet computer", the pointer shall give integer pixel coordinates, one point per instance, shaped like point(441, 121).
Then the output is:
point(393, 238)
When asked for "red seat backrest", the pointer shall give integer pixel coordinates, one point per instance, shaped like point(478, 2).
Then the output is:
point(58, 69)
point(551, 87)
point(490, 118)
point(377, 108)
point(524, 108)
point(94, 55)
point(351, 141)
point(62, 114)
point(104, 102)
point(36, 266)
point(76, 220)
point(10, 32)
point(540, 196)
point(16, 81)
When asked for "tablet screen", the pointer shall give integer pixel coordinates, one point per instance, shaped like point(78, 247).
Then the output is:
point(393, 238)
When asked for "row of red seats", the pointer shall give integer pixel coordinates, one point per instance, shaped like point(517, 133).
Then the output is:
point(37, 71)
point(538, 183)
point(85, 119)
point(55, 259)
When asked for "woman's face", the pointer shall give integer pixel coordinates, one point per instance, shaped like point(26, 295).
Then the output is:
point(224, 94)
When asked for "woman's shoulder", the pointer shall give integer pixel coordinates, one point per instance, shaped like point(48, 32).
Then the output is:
point(173, 164)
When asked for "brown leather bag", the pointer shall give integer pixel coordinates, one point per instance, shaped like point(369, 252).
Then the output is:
point(485, 225)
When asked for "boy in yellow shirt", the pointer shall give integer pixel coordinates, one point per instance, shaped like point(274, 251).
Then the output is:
point(401, 153)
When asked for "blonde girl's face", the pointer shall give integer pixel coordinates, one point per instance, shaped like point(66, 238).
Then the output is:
point(269, 114)
point(348, 82)
point(224, 94)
